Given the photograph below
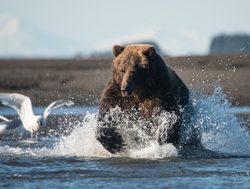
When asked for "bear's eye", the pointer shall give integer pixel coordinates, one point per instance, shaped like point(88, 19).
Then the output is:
point(123, 70)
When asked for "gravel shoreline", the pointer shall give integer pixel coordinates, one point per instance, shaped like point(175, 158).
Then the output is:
point(82, 80)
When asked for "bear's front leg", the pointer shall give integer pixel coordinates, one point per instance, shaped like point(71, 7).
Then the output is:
point(108, 135)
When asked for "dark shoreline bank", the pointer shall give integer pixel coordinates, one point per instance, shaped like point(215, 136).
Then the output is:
point(82, 80)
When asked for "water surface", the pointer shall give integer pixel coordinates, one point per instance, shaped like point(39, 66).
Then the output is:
point(77, 160)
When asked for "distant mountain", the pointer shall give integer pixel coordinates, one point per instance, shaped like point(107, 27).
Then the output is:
point(32, 41)
point(230, 44)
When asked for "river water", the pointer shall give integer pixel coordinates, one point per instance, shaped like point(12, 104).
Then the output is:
point(77, 160)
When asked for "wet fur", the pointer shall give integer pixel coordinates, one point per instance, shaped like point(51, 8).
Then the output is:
point(155, 87)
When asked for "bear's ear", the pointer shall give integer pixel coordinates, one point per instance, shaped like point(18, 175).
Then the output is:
point(117, 49)
point(149, 52)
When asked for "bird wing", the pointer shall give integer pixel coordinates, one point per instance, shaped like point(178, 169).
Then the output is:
point(55, 105)
point(3, 126)
point(13, 124)
point(4, 118)
point(12, 127)
point(22, 104)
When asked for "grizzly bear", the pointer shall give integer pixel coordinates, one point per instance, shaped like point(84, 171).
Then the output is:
point(141, 82)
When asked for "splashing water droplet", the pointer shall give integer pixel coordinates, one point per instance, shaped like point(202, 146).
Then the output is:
point(220, 131)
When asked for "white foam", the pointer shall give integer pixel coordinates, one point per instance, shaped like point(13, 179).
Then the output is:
point(221, 131)
point(82, 141)
point(154, 151)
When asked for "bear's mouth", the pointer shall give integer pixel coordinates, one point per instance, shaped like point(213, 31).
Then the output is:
point(126, 91)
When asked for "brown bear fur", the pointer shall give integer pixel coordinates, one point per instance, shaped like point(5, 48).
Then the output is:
point(141, 80)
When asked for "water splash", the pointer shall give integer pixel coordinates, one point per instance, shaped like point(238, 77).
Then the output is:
point(81, 141)
point(138, 132)
point(220, 129)
point(154, 151)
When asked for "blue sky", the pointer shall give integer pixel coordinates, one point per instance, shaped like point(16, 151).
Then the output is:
point(66, 27)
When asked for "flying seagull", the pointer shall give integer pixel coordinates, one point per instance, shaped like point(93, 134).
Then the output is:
point(27, 120)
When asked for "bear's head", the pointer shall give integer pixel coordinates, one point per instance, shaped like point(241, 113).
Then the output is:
point(133, 67)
